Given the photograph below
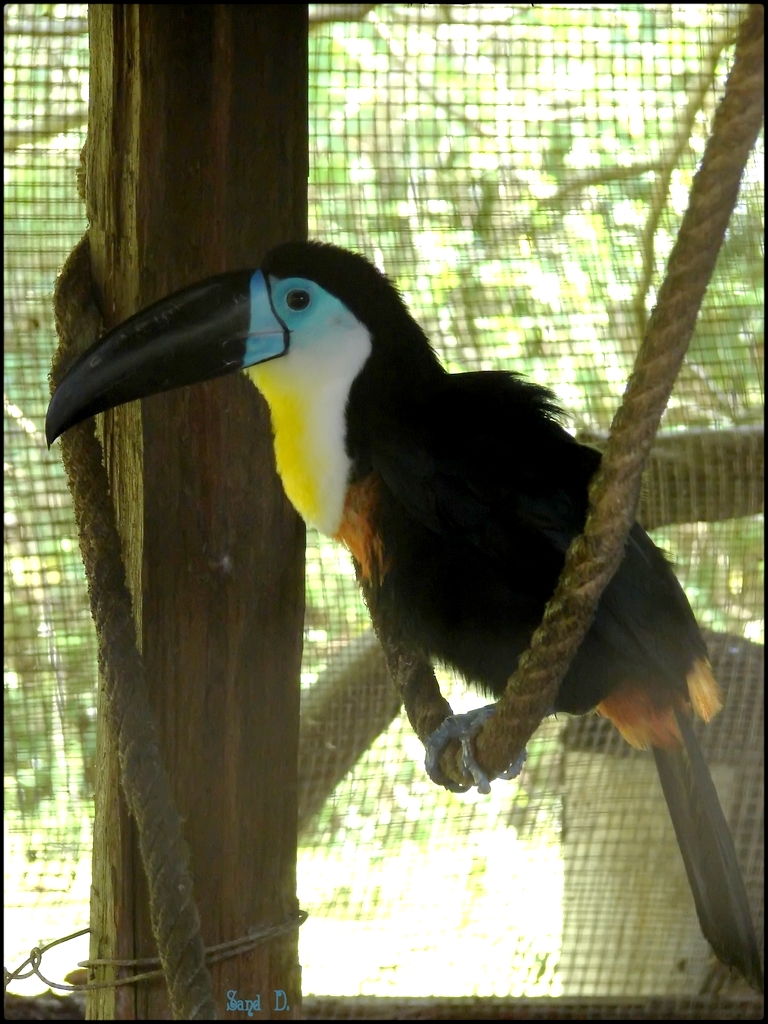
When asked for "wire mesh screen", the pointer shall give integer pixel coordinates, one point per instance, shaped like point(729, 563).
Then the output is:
point(520, 171)
point(50, 644)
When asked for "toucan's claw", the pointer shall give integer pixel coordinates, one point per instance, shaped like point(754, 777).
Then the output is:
point(464, 728)
point(515, 768)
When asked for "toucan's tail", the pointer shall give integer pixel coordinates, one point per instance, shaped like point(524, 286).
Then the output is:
point(710, 859)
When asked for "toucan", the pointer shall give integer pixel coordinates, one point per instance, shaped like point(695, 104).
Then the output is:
point(457, 496)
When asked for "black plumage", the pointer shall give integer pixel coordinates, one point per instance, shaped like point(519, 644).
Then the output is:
point(481, 490)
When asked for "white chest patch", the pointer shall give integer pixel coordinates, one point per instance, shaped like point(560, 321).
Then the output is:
point(307, 391)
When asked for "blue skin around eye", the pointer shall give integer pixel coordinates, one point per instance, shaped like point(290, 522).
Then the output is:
point(272, 321)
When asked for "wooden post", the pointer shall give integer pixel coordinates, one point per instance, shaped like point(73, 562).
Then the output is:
point(197, 163)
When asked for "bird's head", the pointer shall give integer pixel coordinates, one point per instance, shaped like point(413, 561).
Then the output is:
point(302, 326)
point(306, 299)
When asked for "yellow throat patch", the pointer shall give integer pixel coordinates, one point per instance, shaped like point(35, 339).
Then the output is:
point(308, 459)
point(307, 389)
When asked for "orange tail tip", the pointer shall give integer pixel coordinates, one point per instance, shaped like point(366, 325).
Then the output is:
point(704, 691)
point(644, 721)
point(641, 721)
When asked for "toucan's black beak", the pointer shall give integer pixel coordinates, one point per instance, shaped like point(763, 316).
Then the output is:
point(215, 327)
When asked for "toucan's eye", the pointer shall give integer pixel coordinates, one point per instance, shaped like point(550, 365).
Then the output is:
point(297, 299)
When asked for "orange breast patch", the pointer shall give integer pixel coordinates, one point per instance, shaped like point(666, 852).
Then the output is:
point(357, 530)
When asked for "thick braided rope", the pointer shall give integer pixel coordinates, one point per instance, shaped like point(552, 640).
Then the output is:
point(174, 916)
point(593, 558)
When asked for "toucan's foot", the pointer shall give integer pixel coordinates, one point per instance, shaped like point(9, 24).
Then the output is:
point(464, 728)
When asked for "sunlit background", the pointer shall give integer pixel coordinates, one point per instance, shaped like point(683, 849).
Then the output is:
point(520, 171)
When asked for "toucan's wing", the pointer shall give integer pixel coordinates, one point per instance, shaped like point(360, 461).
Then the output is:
point(487, 463)
point(485, 460)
